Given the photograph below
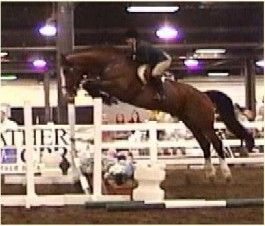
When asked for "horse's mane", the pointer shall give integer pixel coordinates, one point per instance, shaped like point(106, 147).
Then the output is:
point(103, 52)
point(107, 49)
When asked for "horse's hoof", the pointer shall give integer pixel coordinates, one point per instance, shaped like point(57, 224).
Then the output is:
point(187, 179)
point(228, 179)
point(244, 153)
point(211, 179)
point(227, 175)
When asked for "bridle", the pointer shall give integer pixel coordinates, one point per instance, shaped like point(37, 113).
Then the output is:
point(63, 83)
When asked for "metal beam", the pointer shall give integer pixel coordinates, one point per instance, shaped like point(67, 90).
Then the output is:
point(250, 84)
point(121, 30)
point(21, 70)
point(65, 44)
point(233, 45)
point(46, 86)
point(175, 66)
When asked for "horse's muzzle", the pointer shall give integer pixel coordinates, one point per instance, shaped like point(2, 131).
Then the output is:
point(91, 80)
point(70, 99)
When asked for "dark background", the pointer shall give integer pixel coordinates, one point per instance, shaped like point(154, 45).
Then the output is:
point(236, 26)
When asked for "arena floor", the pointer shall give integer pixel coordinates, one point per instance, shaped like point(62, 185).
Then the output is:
point(248, 182)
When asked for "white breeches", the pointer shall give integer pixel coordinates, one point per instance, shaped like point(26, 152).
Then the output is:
point(158, 70)
point(141, 71)
point(162, 66)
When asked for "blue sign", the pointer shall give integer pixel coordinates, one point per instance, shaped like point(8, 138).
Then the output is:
point(8, 155)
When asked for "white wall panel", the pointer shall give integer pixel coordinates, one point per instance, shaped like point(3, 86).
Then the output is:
point(16, 92)
point(234, 88)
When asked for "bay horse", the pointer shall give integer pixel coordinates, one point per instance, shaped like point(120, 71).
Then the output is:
point(109, 70)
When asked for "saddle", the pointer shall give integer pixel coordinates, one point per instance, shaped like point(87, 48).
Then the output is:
point(144, 73)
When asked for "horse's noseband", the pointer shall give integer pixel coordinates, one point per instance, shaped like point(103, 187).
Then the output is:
point(86, 79)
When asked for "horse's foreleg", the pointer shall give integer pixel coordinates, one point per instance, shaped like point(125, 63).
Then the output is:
point(92, 89)
point(107, 99)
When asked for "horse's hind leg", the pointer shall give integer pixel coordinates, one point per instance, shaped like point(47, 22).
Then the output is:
point(205, 146)
point(218, 146)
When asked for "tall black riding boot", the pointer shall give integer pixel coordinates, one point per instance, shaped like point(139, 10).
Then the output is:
point(157, 84)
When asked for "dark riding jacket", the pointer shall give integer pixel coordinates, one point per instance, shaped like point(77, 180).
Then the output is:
point(147, 54)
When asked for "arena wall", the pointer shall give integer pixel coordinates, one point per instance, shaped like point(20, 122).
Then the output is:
point(15, 92)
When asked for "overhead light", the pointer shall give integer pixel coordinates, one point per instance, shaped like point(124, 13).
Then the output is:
point(39, 63)
point(210, 51)
point(217, 74)
point(191, 63)
point(152, 9)
point(182, 57)
point(208, 55)
point(8, 77)
point(260, 63)
point(48, 30)
point(167, 32)
point(3, 54)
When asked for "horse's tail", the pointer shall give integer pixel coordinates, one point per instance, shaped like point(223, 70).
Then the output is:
point(225, 108)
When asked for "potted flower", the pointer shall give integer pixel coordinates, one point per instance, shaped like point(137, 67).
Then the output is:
point(120, 171)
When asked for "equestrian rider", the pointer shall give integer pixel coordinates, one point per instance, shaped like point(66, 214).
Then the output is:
point(146, 54)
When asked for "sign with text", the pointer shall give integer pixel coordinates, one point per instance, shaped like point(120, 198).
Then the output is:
point(46, 140)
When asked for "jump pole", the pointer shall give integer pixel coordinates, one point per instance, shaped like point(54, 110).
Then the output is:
point(30, 185)
point(97, 121)
point(32, 199)
point(153, 142)
point(76, 164)
point(73, 154)
point(186, 204)
point(97, 171)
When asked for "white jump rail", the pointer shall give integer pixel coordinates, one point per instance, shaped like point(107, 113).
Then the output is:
point(148, 126)
point(32, 199)
point(153, 144)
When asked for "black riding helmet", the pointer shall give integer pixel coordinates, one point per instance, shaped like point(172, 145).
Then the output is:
point(131, 34)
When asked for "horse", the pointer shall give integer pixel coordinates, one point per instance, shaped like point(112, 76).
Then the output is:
point(109, 70)
point(225, 108)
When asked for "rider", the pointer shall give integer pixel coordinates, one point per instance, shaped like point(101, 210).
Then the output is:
point(145, 53)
